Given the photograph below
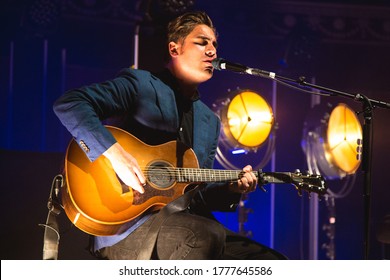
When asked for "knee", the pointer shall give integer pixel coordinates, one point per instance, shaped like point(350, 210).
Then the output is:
point(211, 238)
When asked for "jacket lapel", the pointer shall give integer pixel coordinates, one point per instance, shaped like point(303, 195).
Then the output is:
point(201, 132)
point(167, 104)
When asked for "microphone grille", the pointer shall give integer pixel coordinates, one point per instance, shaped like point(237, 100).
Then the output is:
point(217, 63)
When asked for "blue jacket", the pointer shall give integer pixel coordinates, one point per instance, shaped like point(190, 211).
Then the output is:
point(147, 109)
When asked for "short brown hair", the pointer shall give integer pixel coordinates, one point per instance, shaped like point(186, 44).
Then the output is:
point(179, 28)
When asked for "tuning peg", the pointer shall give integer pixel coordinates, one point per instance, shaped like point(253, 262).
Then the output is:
point(261, 180)
point(262, 188)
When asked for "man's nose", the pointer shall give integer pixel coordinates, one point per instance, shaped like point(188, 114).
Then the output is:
point(211, 51)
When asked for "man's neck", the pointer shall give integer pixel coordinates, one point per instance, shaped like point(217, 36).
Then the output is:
point(189, 90)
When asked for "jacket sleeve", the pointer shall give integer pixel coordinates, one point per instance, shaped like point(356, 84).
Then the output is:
point(82, 110)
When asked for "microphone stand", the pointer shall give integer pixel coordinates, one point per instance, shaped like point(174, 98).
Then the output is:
point(367, 108)
point(367, 104)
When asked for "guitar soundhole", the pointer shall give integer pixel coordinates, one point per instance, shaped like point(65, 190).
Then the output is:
point(161, 174)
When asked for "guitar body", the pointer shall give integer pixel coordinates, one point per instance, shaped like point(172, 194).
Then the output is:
point(99, 203)
point(96, 200)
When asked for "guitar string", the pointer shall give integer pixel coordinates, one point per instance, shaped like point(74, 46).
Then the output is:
point(192, 170)
point(216, 175)
point(234, 174)
point(214, 172)
point(191, 174)
point(195, 173)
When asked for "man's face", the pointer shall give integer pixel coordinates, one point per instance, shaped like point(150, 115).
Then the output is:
point(192, 60)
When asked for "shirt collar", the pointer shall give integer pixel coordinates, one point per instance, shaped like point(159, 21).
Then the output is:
point(167, 77)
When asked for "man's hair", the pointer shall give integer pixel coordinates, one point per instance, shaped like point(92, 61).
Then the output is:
point(179, 28)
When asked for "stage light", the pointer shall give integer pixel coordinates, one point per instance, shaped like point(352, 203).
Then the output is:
point(247, 123)
point(247, 120)
point(332, 141)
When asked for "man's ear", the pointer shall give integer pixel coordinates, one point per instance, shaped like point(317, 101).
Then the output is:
point(173, 49)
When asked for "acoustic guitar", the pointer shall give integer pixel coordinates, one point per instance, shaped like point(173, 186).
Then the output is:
point(99, 203)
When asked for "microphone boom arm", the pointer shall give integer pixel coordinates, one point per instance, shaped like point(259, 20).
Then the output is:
point(368, 105)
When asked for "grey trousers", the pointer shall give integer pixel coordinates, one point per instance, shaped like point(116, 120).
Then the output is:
point(185, 236)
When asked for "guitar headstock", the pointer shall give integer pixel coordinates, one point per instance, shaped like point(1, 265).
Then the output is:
point(309, 182)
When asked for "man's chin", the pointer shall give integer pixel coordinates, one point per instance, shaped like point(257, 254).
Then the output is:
point(209, 73)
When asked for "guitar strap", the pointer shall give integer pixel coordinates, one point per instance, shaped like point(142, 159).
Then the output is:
point(51, 236)
point(177, 205)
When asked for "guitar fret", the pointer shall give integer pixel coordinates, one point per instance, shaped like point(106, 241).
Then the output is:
point(185, 175)
point(178, 175)
point(189, 179)
point(193, 177)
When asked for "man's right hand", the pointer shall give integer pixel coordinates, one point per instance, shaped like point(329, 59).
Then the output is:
point(126, 167)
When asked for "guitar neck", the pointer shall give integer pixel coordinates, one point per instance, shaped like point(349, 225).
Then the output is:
point(187, 175)
point(310, 183)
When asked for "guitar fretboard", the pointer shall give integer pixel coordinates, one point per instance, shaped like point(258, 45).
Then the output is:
point(188, 175)
point(310, 183)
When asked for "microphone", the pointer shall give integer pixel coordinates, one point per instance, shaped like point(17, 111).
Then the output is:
point(223, 64)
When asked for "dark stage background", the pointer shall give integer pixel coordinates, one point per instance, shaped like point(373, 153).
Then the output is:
point(48, 47)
